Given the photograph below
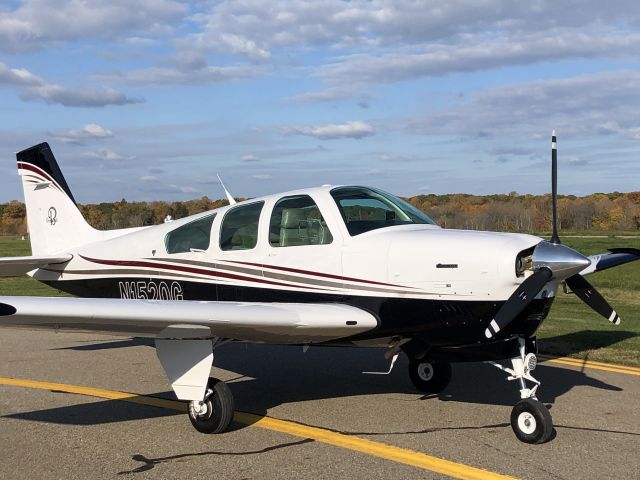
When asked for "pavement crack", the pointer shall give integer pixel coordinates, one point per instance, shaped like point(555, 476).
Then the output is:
point(601, 430)
point(405, 432)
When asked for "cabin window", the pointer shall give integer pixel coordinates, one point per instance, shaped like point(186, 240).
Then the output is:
point(364, 209)
point(193, 236)
point(297, 221)
point(239, 230)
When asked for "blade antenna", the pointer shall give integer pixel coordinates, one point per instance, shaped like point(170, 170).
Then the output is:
point(555, 239)
point(232, 201)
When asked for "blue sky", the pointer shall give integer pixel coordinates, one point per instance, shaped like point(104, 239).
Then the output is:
point(148, 100)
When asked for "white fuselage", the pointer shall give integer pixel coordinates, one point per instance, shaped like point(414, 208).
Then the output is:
point(402, 261)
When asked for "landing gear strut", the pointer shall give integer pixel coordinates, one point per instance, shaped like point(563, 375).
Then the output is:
point(186, 354)
point(215, 412)
point(530, 419)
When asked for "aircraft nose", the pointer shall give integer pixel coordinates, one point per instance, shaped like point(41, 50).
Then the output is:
point(560, 259)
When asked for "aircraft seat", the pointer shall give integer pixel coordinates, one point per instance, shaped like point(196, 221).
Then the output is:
point(294, 227)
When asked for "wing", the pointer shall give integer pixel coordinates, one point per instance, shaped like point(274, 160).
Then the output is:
point(283, 323)
point(16, 266)
point(612, 258)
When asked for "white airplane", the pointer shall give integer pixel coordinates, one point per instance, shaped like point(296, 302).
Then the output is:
point(334, 265)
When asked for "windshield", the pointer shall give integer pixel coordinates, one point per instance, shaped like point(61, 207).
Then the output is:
point(365, 209)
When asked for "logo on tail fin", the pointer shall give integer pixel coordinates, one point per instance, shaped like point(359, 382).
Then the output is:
point(52, 216)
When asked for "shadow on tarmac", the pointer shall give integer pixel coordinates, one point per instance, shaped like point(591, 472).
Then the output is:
point(150, 463)
point(273, 375)
point(581, 342)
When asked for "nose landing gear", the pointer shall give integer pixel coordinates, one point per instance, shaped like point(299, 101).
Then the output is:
point(530, 419)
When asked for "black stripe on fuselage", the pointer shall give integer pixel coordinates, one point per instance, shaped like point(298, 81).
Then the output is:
point(437, 322)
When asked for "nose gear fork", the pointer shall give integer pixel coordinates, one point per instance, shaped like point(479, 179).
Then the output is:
point(522, 366)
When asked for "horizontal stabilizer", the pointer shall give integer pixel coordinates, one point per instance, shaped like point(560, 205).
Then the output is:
point(16, 266)
point(612, 258)
point(282, 323)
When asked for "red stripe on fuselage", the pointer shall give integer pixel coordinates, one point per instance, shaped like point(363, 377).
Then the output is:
point(318, 274)
point(136, 263)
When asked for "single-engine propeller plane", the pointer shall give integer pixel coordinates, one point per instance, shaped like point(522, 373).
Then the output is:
point(333, 265)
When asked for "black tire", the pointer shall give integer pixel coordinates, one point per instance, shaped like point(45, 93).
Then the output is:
point(531, 421)
point(429, 377)
point(219, 413)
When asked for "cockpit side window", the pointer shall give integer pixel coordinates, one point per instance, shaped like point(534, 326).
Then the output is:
point(297, 221)
point(239, 229)
point(193, 236)
point(364, 209)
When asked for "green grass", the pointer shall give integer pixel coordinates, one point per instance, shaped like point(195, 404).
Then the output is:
point(571, 329)
point(16, 247)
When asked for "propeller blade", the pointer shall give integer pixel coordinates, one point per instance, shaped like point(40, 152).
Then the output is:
point(589, 295)
point(519, 300)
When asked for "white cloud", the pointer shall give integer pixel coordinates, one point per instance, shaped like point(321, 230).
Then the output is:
point(57, 94)
point(91, 131)
point(331, 94)
point(149, 178)
point(17, 76)
point(108, 155)
point(249, 158)
point(238, 44)
point(262, 176)
point(257, 27)
point(95, 130)
point(189, 190)
point(36, 88)
point(183, 76)
point(476, 52)
point(38, 23)
point(382, 41)
point(594, 104)
point(333, 131)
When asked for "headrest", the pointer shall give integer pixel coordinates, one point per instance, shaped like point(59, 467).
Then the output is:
point(291, 217)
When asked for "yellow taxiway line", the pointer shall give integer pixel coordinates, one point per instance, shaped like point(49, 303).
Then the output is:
point(351, 442)
point(576, 362)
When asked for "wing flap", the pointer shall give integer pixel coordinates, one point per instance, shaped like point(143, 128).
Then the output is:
point(258, 322)
point(17, 266)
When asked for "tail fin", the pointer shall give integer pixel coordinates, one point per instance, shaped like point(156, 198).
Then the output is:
point(55, 223)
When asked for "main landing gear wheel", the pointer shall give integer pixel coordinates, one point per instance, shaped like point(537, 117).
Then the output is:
point(531, 421)
point(214, 414)
point(429, 377)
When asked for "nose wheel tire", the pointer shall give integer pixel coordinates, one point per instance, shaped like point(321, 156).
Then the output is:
point(214, 414)
point(531, 421)
point(429, 377)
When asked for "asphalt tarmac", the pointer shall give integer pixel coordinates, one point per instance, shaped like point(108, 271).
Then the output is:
point(49, 433)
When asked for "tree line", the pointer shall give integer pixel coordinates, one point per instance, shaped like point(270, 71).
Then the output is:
point(505, 212)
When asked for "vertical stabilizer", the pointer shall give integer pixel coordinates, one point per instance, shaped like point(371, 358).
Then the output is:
point(54, 221)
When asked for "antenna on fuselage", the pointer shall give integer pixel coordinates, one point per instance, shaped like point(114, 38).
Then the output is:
point(232, 201)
